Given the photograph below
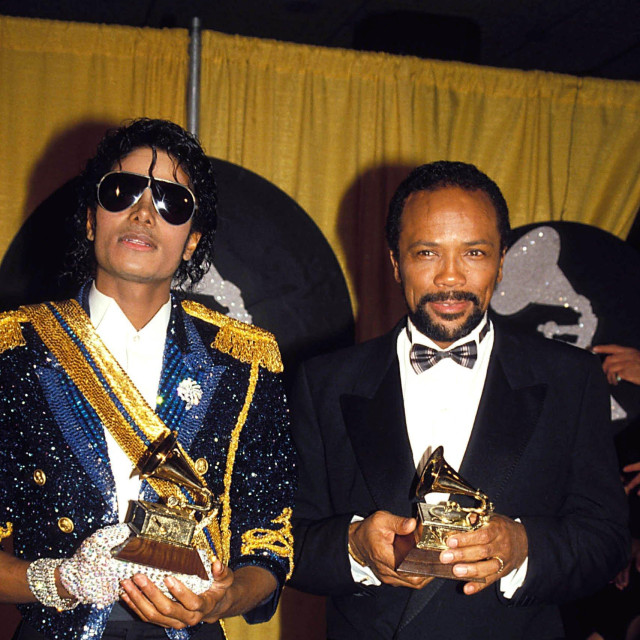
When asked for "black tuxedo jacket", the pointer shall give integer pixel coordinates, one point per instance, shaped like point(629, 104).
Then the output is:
point(540, 448)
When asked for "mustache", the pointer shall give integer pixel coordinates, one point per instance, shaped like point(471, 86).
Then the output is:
point(449, 296)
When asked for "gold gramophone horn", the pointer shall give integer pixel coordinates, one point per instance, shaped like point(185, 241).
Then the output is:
point(164, 461)
point(439, 477)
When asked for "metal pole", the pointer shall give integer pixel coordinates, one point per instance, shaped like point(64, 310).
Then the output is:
point(193, 90)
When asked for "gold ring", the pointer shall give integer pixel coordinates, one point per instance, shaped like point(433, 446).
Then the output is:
point(500, 560)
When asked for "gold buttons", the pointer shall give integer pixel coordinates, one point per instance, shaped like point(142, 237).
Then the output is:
point(202, 466)
point(65, 525)
point(39, 477)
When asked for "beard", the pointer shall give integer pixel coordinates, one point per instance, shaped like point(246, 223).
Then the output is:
point(439, 332)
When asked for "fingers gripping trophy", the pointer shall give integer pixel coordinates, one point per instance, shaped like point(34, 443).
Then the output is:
point(418, 553)
point(158, 539)
point(163, 534)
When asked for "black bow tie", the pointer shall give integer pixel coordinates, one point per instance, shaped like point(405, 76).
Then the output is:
point(423, 358)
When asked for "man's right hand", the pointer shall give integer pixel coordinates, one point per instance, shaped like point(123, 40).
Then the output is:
point(371, 541)
point(91, 574)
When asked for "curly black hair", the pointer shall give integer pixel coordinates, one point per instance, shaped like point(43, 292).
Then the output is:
point(185, 149)
point(437, 175)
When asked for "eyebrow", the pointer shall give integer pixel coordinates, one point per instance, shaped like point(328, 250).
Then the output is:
point(470, 243)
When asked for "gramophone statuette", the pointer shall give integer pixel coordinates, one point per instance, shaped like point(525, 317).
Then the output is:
point(162, 534)
point(418, 553)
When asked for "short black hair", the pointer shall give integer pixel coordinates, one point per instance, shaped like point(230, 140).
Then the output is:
point(185, 149)
point(438, 175)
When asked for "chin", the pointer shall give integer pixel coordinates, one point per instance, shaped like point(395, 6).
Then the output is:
point(446, 328)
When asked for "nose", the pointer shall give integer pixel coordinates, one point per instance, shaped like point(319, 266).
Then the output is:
point(144, 209)
point(450, 273)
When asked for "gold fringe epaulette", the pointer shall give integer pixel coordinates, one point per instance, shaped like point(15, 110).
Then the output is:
point(238, 339)
point(10, 330)
point(5, 532)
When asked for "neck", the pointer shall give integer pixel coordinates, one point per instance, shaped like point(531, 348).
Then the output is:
point(139, 301)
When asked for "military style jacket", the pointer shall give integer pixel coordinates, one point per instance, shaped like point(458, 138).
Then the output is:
point(56, 484)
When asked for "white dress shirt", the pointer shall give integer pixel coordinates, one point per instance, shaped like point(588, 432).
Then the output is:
point(440, 406)
point(140, 354)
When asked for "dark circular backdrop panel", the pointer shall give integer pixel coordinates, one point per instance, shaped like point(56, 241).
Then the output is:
point(272, 266)
point(578, 282)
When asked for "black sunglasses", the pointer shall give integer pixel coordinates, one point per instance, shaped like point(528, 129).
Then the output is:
point(119, 190)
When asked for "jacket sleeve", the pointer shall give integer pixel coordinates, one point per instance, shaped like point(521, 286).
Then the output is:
point(320, 535)
point(262, 490)
point(586, 543)
point(8, 457)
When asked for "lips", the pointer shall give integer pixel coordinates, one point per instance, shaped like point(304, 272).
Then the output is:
point(137, 241)
point(448, 307)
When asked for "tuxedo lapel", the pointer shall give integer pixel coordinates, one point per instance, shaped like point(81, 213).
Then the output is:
point(375, 421)
point(507, 415)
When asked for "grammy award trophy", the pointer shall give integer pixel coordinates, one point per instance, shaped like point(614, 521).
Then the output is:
point(418, 553)
point(162, 534)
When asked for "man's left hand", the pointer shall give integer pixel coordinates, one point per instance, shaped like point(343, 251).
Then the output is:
point(490, 552)
point(188, 609)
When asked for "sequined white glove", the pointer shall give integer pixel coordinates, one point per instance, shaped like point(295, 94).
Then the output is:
point(93, 575)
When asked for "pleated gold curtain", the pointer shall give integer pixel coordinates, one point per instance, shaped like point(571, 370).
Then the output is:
point(337, 130)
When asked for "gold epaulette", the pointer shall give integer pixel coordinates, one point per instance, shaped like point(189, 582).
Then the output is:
point(10, 330)
point(242, 341)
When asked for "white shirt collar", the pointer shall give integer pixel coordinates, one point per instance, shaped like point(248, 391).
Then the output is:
point(104, 310)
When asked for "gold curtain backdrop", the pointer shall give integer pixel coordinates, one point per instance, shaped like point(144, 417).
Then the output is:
point(337, 130)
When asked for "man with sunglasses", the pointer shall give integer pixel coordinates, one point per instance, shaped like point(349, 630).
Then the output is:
point(90, 387)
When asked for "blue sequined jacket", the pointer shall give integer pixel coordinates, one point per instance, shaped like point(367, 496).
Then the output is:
point(56, 485)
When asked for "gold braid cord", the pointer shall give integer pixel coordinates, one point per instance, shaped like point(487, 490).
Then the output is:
point(79, 370)
point(243, 341)
point(231, 458)
point(10, 331)
point(5, 532)
point(256, 347)
point(279, 541)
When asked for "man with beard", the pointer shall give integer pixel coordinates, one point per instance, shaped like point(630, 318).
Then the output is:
point(522, 417)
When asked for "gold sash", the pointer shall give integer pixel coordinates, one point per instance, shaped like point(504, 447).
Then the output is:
point(84, 376)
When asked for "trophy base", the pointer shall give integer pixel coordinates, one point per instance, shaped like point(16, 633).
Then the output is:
point(422, 562)
point(160, 555)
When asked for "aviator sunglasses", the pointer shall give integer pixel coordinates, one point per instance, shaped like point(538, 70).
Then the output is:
point(119, 190)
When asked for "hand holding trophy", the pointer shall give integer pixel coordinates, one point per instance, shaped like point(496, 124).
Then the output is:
point(418, 553)
point(162, 540)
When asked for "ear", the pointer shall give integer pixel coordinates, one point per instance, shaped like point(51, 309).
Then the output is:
point(91, 225)
point(500, 265)
point(396, 267)
point(190, 246)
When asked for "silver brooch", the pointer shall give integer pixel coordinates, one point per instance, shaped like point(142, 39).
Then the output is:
point(190, 391)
